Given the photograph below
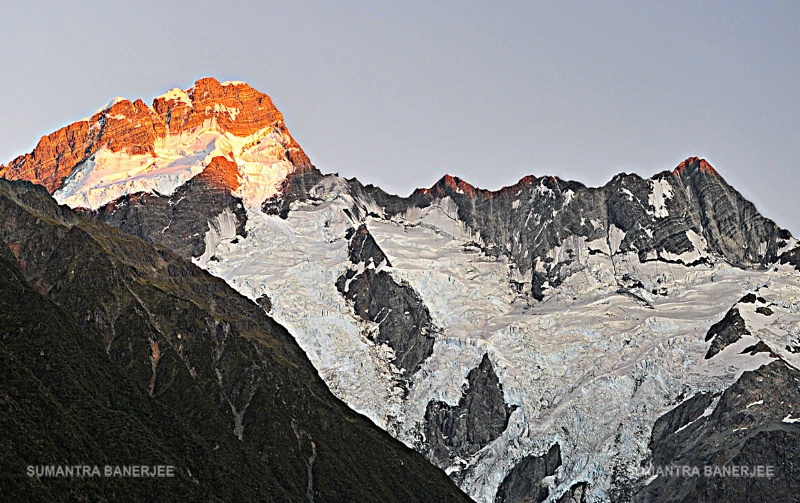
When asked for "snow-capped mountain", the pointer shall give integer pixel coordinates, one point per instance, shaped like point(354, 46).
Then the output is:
point(545, 341)
point(128, 147)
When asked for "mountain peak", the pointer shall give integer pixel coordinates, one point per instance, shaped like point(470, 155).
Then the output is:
point(128, 146)
point(695, 165)
point(448, 184)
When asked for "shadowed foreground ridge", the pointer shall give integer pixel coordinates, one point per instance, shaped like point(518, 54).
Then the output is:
point(113, 352)
point(546, 341)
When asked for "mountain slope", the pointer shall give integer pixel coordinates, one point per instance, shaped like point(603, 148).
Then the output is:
point(490, 330)
point(150, 360)
point(748, 426)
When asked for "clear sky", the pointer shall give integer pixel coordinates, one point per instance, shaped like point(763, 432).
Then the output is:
point(399, 94)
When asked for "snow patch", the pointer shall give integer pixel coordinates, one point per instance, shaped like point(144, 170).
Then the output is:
point(615, 238)
point(232, 111)
point(107, 176)
point(627, 193)
point(791, 244)
point(568, 195)
point(176, 95)
point(222, 228)
point(662, 191)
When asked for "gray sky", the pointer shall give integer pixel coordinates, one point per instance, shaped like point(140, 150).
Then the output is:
point(400, 94)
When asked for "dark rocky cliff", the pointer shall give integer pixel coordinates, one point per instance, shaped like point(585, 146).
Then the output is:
point(524, 482)
point(745, 429)
point(115, 352)
point(179, 221)
point(480, 416)
point(404, 322)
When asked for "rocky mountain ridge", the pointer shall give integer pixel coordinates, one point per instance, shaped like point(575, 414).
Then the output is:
point(143, 358)
point(547, 330)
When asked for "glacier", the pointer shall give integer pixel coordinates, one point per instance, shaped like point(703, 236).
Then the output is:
point(562, 362)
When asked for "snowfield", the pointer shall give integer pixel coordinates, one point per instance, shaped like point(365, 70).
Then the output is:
point(108, 175)
point(619, 342)
point(589, 368)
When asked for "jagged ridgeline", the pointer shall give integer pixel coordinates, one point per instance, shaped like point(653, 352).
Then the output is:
point(113, 352)
point(543, 341)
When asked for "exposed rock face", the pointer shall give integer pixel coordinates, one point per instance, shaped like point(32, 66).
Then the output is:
point(725, 332)
point(524, 482)
point(363, 248)
point(297, 186)
point(731, 224)
point(404, 322)
point(53, 158)
point(137, 129)
point(524, 220)
point(750, 426)
point(136, 355)
point(549, 227)
point(461, 430)
point(180, 221)
point(688, 411)
point(577, 493)
point(222, 174)
point(759, 347)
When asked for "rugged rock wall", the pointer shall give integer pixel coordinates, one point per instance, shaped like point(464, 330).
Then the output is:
point(459, 431)
point(524, 482)
point(548, 226)
point(751, 426)
point(404, 322)
point(134, 127)
point(181, 221)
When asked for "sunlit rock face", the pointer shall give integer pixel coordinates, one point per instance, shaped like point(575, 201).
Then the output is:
point(130, 147)
point(544, 341)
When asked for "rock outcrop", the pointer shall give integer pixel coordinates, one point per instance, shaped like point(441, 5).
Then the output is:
point(524, 482)
point(751, 429)
point(481, 415)
point(404, 323)
point(725, 332)
point(181, 221)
